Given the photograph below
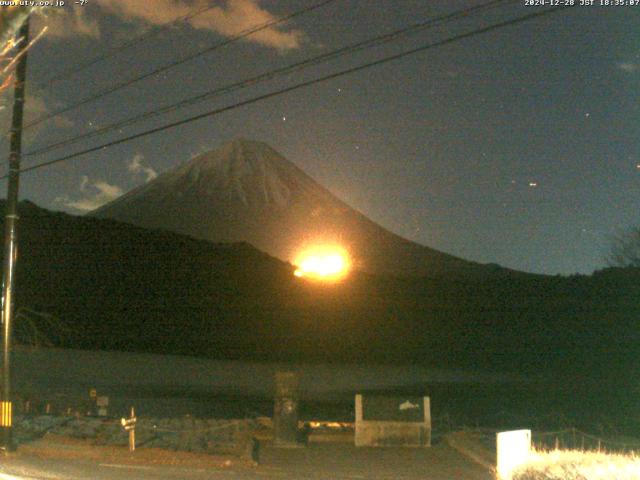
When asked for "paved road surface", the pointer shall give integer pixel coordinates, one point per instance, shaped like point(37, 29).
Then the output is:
point(317, 461)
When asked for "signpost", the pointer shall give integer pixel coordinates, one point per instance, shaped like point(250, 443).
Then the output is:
point(129, 424)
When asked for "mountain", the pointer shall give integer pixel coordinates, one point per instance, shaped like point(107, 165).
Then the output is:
point(122, 287)
point(246, 191)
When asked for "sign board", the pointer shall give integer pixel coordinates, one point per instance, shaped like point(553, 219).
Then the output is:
point(128, 423)
point(5, 414)
point(102, 403)
point(513, 450)
point(93, 393)
point(393, 409)
point(393, 421)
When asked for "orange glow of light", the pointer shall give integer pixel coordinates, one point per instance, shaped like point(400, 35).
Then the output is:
point(323, 263)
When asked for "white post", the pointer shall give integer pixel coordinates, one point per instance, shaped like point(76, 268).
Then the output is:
point(513, 449)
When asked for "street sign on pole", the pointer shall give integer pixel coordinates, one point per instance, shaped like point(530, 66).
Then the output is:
point(129, 425)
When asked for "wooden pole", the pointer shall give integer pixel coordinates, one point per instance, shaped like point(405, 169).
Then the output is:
point(132, 432)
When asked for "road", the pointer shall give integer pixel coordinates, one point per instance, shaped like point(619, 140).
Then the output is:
point(337, 461)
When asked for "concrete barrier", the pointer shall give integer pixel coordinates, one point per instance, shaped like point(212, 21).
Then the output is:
point(392, 421)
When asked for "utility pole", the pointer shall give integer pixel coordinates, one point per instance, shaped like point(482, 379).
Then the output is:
point(10, 239)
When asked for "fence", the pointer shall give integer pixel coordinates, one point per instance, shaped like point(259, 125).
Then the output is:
point(190, 434)
point(574, 439)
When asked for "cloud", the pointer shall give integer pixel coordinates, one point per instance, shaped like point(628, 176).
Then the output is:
point(135, 166)
point(83, 183)
point(95, 195)
point(202, 148)
point(35, 107)
point(241, 15)
point(629, 67)
point(229, 19)
point(62, 23)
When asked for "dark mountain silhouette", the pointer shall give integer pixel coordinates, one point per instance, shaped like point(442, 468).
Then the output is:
point(121, 287)
point(246, 191)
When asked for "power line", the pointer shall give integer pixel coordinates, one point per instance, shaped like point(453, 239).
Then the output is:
point(180, 61)
point(297, 87)
point(368, 43)
point(80, 67)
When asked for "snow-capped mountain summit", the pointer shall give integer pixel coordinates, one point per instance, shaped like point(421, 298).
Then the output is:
point(246, 191)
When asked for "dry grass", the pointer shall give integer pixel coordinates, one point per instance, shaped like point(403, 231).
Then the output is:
point(579, 465)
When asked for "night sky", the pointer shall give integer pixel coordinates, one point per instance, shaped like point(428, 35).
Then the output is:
point(519, 146)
